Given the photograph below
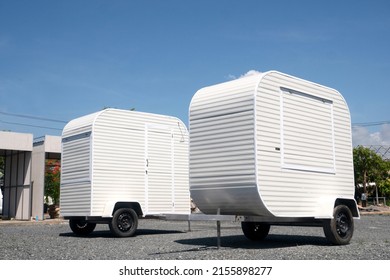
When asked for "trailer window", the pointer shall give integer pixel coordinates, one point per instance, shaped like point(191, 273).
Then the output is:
point(307, 132)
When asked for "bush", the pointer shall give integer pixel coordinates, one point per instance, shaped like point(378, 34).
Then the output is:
point(52, 181)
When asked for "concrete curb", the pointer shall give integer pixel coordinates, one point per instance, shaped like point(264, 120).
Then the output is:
point(33, 222)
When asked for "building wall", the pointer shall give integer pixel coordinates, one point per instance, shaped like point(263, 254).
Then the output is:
point(24, 173)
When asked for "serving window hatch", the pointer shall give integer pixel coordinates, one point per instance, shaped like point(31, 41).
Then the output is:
point(307, 132)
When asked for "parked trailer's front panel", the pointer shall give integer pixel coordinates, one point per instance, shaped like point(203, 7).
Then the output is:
point(76, 167)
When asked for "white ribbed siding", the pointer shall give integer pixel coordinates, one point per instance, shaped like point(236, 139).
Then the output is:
point(269, 144)
point(304, 154)
point(138, 157)
point(222, 157)
point(75, 192)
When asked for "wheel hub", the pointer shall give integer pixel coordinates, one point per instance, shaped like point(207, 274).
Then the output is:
point(342, 224)
point(124, 222)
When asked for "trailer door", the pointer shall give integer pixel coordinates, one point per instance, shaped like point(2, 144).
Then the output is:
point(159, 169)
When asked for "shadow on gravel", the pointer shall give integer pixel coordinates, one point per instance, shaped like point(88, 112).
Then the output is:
point(271, 242)
point(107, 233)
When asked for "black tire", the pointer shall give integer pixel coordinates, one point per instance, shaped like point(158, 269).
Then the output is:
point(339, 230)
point(255, 231)
point(124, 223)
point(81, 227)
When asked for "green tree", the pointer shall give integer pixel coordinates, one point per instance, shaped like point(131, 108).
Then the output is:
point(370, 167)
point(384, 181)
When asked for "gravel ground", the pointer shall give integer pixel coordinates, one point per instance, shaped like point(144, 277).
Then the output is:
point(170, 240)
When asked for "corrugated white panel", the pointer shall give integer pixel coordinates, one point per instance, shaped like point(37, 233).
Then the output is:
point(75, 193)
point(227, 150)
point(222, 158)
point(79, 125)
point(307, 133)
point(76, 157)
point(76, 199)
point(181, 188)
point(118, 161)
point(141, 157)
point(160, 170)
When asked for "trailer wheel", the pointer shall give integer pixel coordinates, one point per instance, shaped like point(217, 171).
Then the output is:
point(255, 231)
point(339, 230)
point(124, 223)
point(81, 227)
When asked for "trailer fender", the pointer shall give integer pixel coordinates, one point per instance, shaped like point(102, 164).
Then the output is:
point(109, 209)
point(326, 207)
point(351, 204)
point(111, 206)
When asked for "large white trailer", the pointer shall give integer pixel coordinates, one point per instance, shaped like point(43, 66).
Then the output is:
point(119, 165)
point(274, 149)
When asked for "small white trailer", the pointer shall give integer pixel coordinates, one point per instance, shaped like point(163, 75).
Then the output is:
point(120, 165)
point(276, 150)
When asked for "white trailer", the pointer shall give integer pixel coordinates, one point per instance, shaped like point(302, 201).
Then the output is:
point(276, 150)
point(119, 165)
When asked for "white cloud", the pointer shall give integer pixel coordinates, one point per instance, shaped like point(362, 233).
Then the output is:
point(386, 133)
point(249, 73)
point(231, 77)
point(362, 136)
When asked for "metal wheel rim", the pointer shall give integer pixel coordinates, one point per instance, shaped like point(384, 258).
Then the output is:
point(82, 225)
point(342, 224)
point(125, 222)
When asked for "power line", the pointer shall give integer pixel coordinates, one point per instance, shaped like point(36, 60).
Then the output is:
point(370, 123)
point(32, 117)
point(365, 124)
point(30, 125)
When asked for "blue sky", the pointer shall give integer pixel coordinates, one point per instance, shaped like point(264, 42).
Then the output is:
point(63, 59)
